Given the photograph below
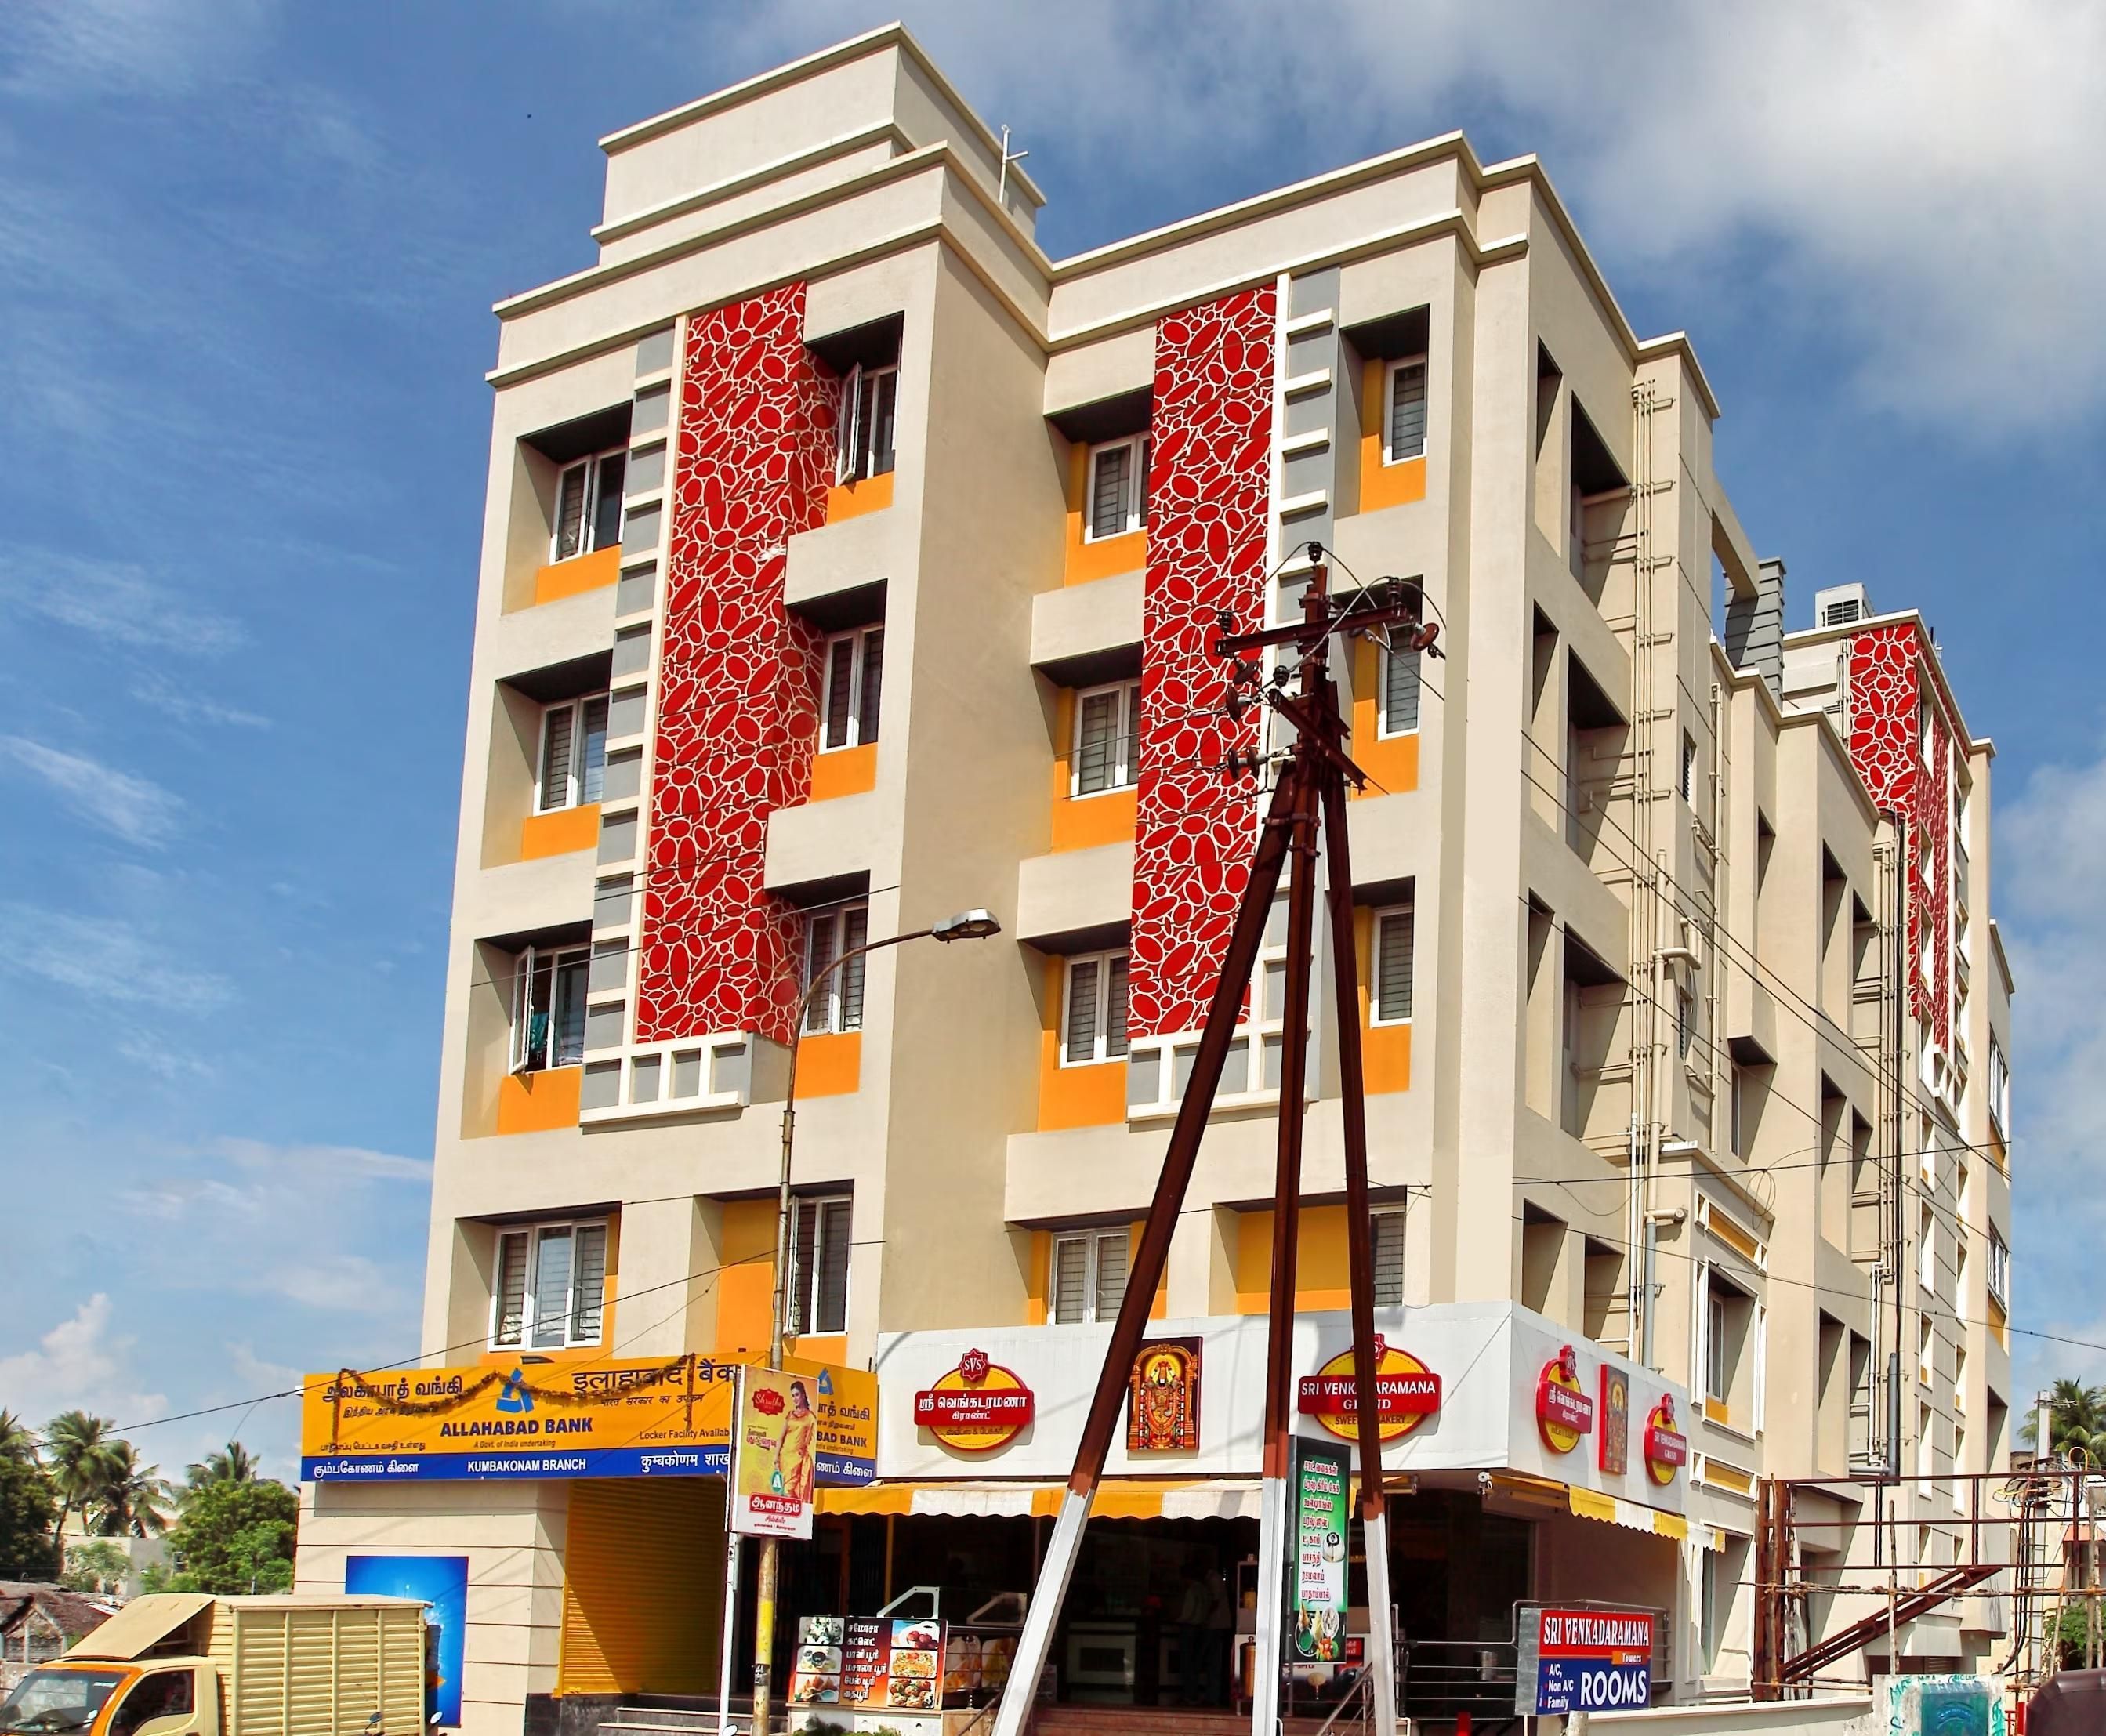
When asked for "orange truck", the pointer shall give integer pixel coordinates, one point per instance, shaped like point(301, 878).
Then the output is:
point(189, 1664)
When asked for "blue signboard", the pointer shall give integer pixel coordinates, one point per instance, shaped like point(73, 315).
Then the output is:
point(1585, 1660)
point(441, 1582)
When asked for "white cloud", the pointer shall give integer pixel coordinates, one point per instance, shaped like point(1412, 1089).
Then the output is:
point(105, 959)
point(135, 809)
point(335, 1284)
point(113, 599)
point(130, 47)
point(79, 1364)
point(1918, 179)
point(342, 1162)
point(188, 704)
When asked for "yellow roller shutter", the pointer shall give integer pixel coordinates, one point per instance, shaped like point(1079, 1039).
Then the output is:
point(642, 1583)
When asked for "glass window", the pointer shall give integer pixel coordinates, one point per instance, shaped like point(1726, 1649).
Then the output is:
point(589, 505)
point(828, 933)
point(1089, 1277)
point(166, 1693)
point(549, 1009)
point(1118, 487)
point(1407, 411)
point(550, 1292)
point(1093, 1021)
point(869, 407)
point(1107, 745)
point(819, 1264)
point(854, 674)
point(1395, 932)
point(573, 768)
point(1385, 1231)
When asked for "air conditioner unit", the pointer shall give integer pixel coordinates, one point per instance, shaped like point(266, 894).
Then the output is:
point(1841, 606)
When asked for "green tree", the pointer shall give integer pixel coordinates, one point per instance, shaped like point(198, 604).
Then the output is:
point(133, 1498)
point(28, 1510)
point(2076, 1418)
point(96, 1566)
point(235, 1465)
point(17, 1440)
point(77, 1450)
point(236, 1537)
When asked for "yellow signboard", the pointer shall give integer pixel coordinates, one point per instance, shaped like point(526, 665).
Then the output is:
point(600, 1419)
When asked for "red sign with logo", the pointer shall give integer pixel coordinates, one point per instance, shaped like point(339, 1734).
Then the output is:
point(1563, 1411)
point(978, 1407)
point(1407, 1391)
point(1666, 1450)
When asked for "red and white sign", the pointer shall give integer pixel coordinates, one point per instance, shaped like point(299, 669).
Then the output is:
point(1563, 1411)
point(1666, 1450)
point(977, 1407)
point(1407, 1391)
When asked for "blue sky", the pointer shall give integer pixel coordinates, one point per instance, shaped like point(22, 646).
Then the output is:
point(247, 254)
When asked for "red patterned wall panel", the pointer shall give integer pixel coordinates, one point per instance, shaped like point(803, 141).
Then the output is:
point(738, 714)
point(1934, 823)
point(1209, 496)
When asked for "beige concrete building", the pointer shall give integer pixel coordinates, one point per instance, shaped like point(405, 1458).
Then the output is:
point(849, 562)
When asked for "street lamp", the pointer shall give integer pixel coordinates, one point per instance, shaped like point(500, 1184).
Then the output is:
point(967, 925)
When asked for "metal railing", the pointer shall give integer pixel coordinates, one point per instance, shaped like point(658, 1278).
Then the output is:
point(1443, 1677)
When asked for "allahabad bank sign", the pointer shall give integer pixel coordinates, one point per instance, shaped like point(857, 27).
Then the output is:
point(532, 1421)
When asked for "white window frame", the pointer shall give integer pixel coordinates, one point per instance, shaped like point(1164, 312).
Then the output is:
point(520, 1060)
point(572, 794)
point(1260, 1037)
point(856, 639)
point(1736, 1109)
point(587, 544)
point(1133, 515)
point(533, 1235)
point(1926, 1249)
point(2000, 1088)
point(837, 1008)
point(1714, 1339)
point(1391, 369)
point(2000, 1272)
point(855, 461)
point(1386, 653)
point(1104, 1046)
point(1376, 920)
point(802, 1291)
point(1093, 1241)
point(1126, 775)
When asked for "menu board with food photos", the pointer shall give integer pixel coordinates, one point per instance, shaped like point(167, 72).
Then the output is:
point(873, 1674)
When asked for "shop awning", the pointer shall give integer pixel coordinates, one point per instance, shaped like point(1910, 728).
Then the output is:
point(1117, 1498)
point(1613, 1509)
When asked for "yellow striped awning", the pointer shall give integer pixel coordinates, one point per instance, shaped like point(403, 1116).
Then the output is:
point(1613, 1509)
point(1117, 1498)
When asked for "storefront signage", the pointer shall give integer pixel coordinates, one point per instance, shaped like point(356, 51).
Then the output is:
point(1584, 1660)
point(881, 1665)
point(1666, 1450)
point(1407, 1391)
point(517, 1421)
point(1563, 1411)
point(773, 1451)
point(1317, 1586)
point(1163, 1397)
point(1612, 1440)
point(978, 1407)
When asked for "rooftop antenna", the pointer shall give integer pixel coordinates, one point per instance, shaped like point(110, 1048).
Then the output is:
point(1008, 157)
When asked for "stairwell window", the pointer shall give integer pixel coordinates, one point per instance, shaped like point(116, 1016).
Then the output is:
point(1395, 935)
point(819, 1263)
point(1088, 1276)
point(863, 432)
point(1117, 500)
point(551, 1288)
point(1093, 1017)
point(854, 665)
point(838, 1006)
point(1106, 746)
point(1386, 1239)
point(572, 771)
point(548, 1008)
point(1405, 422)
point(589, 505)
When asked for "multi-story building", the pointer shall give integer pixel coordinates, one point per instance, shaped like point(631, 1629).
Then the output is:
point(849, 562)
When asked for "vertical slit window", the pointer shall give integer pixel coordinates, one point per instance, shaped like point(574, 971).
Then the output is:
point(854, 679)
point(1386, 1238)
point(1093, 1022)
point(1395, 935)
point(1407, 410)
point(828, 933)
point(1118, 488)
point(819, 1264)
point(1107, 746)
point(511, 1290)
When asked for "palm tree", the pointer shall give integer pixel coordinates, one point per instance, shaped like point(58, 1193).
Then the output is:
point(235, 1465)
point(16, 1439)
point(77, 1448)
point(133, 1499)
point(2076, 1418)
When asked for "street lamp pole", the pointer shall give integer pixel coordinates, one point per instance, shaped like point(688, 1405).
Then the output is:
point(967, 925)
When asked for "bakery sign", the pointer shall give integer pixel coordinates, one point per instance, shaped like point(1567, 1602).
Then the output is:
point(977, 1408)
point(1666, 1448)
point(1564, 1412)
point(1407, 1391)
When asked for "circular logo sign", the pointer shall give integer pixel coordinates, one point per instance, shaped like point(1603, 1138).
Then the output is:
point(1564, 1413)
point(978, 1407)
point(1407, 1391)
point(1666, 1449)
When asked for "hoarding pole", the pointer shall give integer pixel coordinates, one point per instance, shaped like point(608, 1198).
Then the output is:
point(727, 1630)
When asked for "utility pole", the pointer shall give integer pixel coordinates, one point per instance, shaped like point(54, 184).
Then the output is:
point(1310, 793)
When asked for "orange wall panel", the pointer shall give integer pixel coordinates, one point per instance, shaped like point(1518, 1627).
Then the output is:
point(1383, 485)
point(829, 1064)
point(1110, 555)
point(1073, 1096)
point(844, 771)
point(1321, 1278)
point(1160, 1308)
point(1084, 822)
point(745, 1275)
point(538, 1102)
point(1391, 763)
point(579, 573)
point(873, 494)
point(1384, 1049)
point(560, 833)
